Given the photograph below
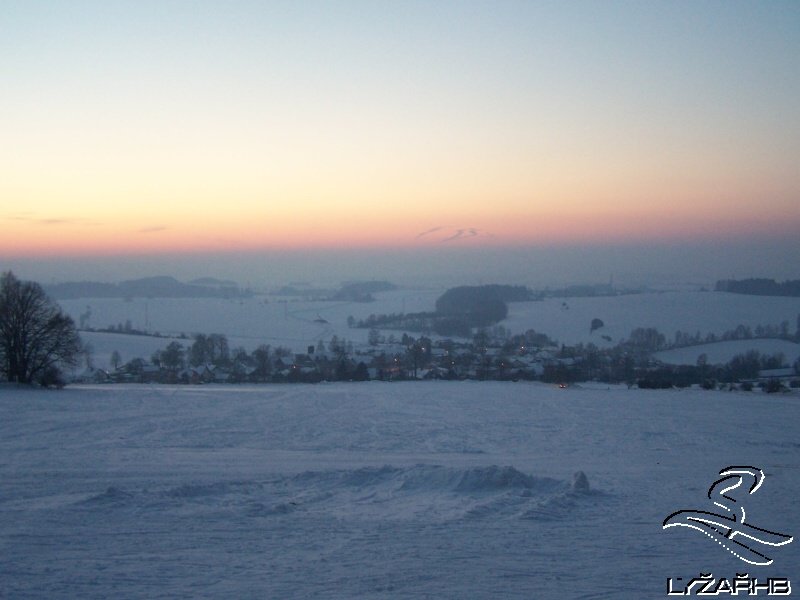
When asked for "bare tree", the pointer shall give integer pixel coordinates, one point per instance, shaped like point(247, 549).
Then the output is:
point(88, 355)
point(116, 359)
point(36, 337)
point(262, 361)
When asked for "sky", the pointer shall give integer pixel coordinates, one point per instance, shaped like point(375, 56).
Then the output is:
point(266, 140)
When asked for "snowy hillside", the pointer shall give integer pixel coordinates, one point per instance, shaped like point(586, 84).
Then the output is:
point(569, 319)
point(296, 323)
point(248, 322)
point(722, 352)
point(416, 490)
point(102, 345)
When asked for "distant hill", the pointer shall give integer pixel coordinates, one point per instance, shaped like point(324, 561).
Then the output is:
point(148, 287)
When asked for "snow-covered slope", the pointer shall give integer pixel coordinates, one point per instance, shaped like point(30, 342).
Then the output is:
point(411, 490)
point(722, 352)
point(249, 322)
point(102, 346)
point(569, 319)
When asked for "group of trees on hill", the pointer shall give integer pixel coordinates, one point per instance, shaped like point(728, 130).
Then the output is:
point(479, 306)
point(458, 311)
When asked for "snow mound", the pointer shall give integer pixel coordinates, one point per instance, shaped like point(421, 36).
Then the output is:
point(430, 479)
point(418, 492)
point(433, 491)
point(490, 479)
point(471, 480)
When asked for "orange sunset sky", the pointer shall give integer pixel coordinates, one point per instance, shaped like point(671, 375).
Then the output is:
point(150, 127)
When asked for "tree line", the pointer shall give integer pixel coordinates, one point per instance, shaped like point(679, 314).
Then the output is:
point(759, 287)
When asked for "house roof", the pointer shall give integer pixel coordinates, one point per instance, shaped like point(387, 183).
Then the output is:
point(774, 373)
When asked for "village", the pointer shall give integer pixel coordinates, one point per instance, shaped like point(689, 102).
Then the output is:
point(491, 354)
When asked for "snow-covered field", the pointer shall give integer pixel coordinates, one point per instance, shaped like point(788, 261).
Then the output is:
point(374, 490)
point(248, 322)
point(297, 324)
point(722, 352)
point(569, 319)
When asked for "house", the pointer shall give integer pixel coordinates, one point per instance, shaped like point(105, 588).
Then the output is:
point(779, 374)
point(123, 375)
point(191, 375)
point(774, 379)
point(245, 373)
point(221, 376)
point(303, 361)
point(434, 373)
point(92, 375)
point(150, 374)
